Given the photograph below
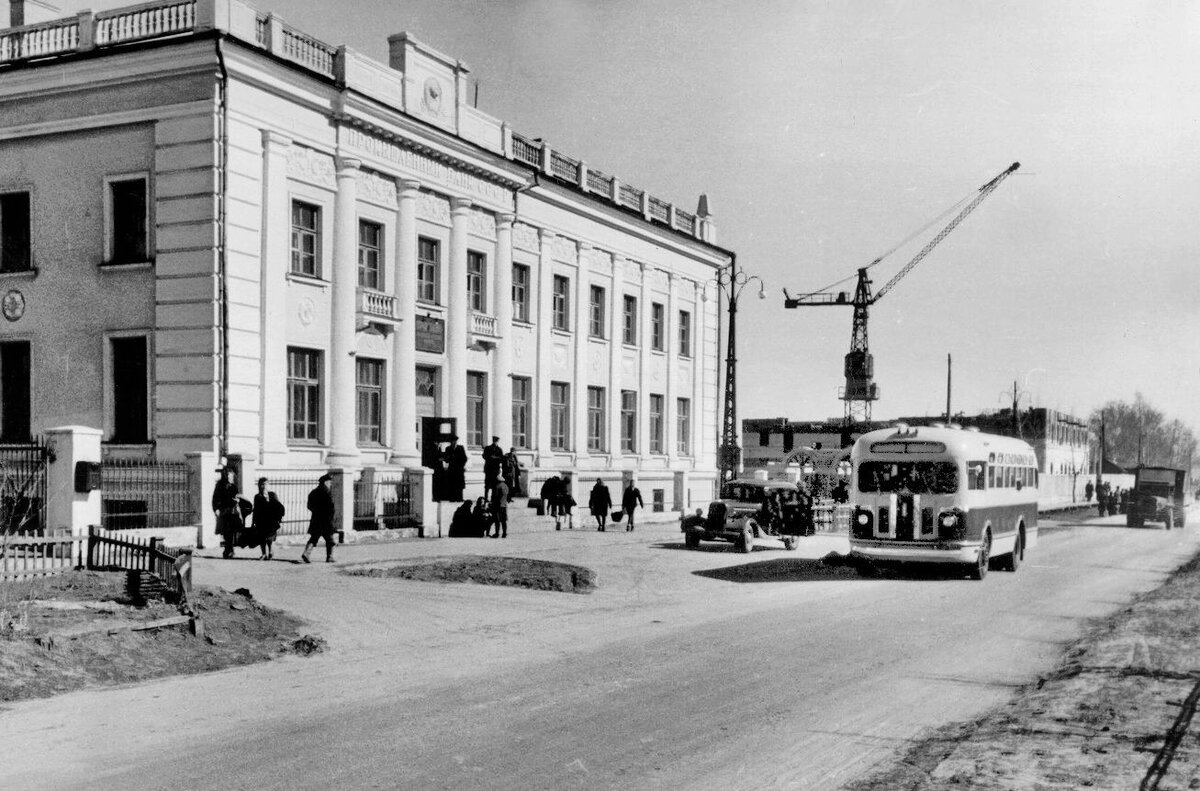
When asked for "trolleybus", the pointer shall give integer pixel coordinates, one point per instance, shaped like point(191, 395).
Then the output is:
point(936, 494)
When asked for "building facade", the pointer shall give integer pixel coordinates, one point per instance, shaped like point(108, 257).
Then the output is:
point(221, 234)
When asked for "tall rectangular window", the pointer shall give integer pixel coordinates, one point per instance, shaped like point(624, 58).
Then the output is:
point(429, 265)
point(685, 334)
point(629, 421)
point(521, 388)
point(428, 386)
point(560, 416)
point(476, 408)
point(630, 320)
point(561, 303)
point(14, 232)
point(477, 281)
point(683, 426)
point(520, 295)
point(658, 329)
point(368, 408)
point(304, 395)
point(656, 423)
point(597, 434)
point(129, 225)
point(596, 308)
point(306, 239)
point(370, 254)
point(15, 370)
point(131, 384)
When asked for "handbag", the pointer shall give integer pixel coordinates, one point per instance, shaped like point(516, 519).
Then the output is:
point(616, 515)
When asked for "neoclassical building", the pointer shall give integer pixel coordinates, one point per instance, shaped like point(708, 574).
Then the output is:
point(220, 233)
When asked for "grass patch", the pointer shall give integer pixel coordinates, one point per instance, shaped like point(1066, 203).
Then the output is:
point(488, 570)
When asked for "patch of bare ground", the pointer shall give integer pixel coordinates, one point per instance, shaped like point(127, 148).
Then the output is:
point(540, 575)
point(1119, 713)
point(79, 629)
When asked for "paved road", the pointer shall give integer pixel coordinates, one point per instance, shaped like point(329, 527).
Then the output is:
point(696, 670)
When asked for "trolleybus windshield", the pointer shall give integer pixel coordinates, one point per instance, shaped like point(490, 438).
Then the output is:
point(917, 477)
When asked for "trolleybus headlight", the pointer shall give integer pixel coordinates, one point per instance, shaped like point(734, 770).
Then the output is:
point(863, 518)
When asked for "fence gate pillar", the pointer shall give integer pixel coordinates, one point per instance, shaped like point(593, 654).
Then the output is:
point(343, 500)
point(202, 479)
point(680, 500)
point(420, 481)
point(66, 507)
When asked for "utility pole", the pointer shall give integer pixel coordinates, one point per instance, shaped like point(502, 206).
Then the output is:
point(947, 389)
point(1016, 421)
point(729, 453)
point(1100, 460)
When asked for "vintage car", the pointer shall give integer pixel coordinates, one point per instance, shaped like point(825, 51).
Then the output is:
point(740, 517)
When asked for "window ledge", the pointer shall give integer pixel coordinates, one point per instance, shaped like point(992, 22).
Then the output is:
point(557, 331)
point(633, 347)
point(311, 280)
point(20, 274)
point(124, 266)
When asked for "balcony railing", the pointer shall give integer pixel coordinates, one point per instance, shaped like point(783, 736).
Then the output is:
point(483, 324)
point(377, 305)
point(167, 18)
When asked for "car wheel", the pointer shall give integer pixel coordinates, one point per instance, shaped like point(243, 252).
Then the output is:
point(692, 539)
point(790, 542)
point(979, 568)
point(1169, 519)
point(745, 543)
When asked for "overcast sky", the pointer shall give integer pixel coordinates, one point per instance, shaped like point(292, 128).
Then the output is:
point(825, 133)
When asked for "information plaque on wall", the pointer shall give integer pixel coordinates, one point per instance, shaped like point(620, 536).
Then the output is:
point(431, 334)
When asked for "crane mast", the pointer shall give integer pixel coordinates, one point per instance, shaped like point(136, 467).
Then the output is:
point(860, 390)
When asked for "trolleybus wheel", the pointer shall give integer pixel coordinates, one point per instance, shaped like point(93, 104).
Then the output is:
point(1013, 562)
point(979, 569)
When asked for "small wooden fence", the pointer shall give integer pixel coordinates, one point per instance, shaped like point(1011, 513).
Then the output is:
point(26, 555)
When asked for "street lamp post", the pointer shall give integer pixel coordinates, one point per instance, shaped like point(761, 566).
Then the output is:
point(732, 279)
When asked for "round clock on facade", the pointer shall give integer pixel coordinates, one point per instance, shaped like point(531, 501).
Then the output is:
point(14, 305)
point(433, 95)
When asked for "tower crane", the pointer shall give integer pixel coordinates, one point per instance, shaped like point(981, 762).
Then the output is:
point(860, 390)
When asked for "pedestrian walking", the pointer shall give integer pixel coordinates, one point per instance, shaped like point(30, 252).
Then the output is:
point(550, 492)
point(1088, 491)
point(320, 524)
point(225, 506)
point(493, 466)
point(631, 499)
point(267, 515)
point(454, 476)
point(600, 503)
point(566, 506)
point(500, 509)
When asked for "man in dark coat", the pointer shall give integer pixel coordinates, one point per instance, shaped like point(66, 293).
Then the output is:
point(599, 503)
point(512, 474)
point(225, 506)
point(551, 489)
point(454, 479)
point(493, 465)
point(500, 509)
point(631, 499)
point(320, 524)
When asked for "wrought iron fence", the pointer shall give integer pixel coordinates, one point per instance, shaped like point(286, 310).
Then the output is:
point(383, 501)
point(23, 487)
point(292, 489)
point(136, 494)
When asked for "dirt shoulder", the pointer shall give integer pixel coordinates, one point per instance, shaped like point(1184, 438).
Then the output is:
point(79, 629)
point(1117, 714)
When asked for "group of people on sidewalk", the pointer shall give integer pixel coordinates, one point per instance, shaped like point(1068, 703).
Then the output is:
point(1109, 501)
point(560, 504)
point(266, 514)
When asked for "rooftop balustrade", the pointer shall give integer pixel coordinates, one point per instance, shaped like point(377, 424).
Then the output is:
point(171, 18)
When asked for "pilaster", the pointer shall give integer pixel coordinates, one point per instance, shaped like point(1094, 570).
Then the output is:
point(276, 245)
point(545, 344)
point(343, 442)
point(457, 315)
point(644, 364)
point(582, 321)
point(616, 342)
point(670, 408)
point(501, 380)
point(404, 356)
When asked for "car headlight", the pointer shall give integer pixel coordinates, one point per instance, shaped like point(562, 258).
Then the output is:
point(948, 520)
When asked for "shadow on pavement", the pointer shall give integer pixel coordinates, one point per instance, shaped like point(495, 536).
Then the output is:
point(791, 569)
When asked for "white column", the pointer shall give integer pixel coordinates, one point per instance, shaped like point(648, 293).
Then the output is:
point(343, 444)
point(672, 343)
point(644, 365)
point(616, 342)
point(457, 316)
point(501, 387)
point(545, 344)
point(582, 324)
point(404, 353)
point(276, 245)
point(699, 361)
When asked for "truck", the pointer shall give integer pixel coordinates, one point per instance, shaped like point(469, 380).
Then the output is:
point(1157, 496)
